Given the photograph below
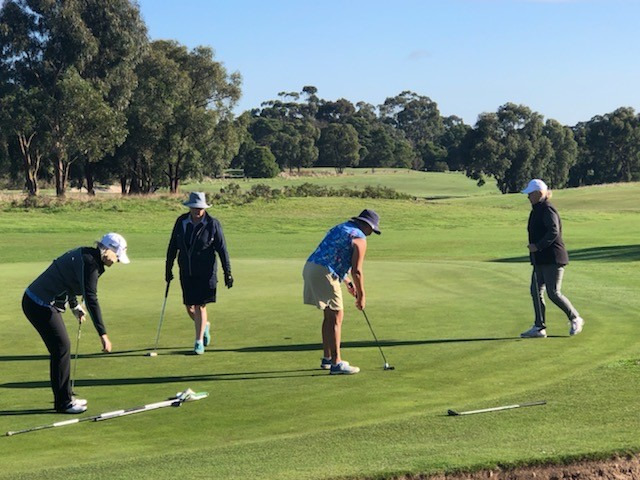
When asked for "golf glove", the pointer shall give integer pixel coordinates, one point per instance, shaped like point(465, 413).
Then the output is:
point(78, 311)
point(228, 280)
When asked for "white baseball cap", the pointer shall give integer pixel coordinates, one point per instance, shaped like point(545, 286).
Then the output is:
point(535, 185)
point(116, 243)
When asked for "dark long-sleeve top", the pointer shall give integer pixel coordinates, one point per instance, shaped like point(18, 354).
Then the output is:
point(73, 273)
point(545, 231)
point(198, 257)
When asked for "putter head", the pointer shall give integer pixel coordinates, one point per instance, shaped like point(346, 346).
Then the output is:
point(452, 413)
point(388, 367)
point(151, 354)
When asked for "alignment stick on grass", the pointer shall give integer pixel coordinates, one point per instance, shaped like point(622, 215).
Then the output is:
point(496, 409)
point(181, 397)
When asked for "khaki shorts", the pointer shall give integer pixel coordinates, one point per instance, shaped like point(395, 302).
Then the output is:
point(321, 288)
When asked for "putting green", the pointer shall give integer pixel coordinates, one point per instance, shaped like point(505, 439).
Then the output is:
point(447, 297)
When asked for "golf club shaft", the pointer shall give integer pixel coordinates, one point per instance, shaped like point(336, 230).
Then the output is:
point(164, 305)
point(75, 360)
point(374, 336)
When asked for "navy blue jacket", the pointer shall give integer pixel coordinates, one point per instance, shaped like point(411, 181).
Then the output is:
point(199, 259)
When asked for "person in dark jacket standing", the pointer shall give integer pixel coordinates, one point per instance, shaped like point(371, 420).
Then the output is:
point(549, 258)
point(74, 273)
point(195, 239)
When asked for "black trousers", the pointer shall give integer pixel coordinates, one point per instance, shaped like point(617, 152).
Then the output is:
point(48, 322)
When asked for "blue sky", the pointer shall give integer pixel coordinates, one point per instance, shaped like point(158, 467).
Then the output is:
point(566, 59)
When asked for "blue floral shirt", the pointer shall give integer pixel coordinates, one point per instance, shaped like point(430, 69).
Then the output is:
point(336, 249)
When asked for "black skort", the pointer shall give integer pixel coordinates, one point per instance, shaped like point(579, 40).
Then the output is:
point(197, 290)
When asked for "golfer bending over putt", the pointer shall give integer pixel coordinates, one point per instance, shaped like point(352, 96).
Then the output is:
point(74, 273)
point(548, 257)
point(342, 250)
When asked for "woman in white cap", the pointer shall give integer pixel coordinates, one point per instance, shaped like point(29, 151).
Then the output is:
point(195, 239)
point(549, 257)
point(74, 273)
point(341, 251)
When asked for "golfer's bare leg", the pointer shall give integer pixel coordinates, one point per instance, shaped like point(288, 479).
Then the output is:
point(326, 335)
point(200, 321)
point(198, 314)
point(331, 334)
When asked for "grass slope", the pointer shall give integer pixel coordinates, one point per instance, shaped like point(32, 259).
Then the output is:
point(411, 182)
point(448, 296)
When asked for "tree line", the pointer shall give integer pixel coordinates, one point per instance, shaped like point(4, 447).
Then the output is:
point(86, 98)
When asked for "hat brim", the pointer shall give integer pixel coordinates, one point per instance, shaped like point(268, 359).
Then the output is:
point(196, 205)
point(527, 191)
point(375, 229)
point(123, 258)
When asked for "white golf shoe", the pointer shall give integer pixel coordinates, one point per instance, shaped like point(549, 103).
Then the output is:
point(576, 326)
point(534, 332)
point(74, 407)
point(343, 368)
point(80, 401)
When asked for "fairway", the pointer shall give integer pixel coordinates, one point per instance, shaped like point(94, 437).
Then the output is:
point(448, 295)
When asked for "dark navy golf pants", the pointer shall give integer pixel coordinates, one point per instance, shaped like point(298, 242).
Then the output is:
point(48, 322)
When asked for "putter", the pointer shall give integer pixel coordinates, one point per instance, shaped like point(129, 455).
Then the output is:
point(386, 364)
point(453, 413)
point(164, 305)
point(75, 360)
point(181, 397)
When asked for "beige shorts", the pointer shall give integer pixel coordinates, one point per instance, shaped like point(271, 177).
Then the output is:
point(321, 288)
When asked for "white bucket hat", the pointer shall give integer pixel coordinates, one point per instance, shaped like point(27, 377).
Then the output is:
point(116, 243)
point(535, 185)
point(196, 200)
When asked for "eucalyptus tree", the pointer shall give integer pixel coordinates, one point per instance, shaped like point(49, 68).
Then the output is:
point(260, 163)
point(452, 139)
point(206, 96)
point(510, 146)
point(338, 147)
point(72, 48)
point(609, 148)
point(21, 126)
point(333, 112)
point(418, 117)
point(564, 153)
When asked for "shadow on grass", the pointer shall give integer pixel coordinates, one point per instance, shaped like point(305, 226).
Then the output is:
point(34, 411)
point(261, 375)
point(302, 347)
point(141, 352)
point(295, 347)
point(617, 253)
